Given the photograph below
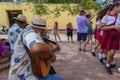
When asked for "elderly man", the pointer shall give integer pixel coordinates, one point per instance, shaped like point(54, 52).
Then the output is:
point(21, 62)
point(15, 30)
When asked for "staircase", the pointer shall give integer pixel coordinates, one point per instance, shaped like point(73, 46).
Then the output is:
point(4, 66)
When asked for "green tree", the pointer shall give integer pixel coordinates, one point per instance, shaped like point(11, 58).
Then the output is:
point(71, 6)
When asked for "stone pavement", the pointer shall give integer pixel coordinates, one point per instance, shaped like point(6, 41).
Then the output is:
point(74, 65)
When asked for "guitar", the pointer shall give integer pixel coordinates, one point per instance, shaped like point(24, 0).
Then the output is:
point(44, 64)
point(41, 67)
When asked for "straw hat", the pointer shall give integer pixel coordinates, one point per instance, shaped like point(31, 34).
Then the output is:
point(20, 17)
point(39, 23)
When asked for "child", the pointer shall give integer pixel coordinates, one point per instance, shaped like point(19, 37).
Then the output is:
point(55, 31)
point(110, 39)
point(89, 30)
point(69, 31)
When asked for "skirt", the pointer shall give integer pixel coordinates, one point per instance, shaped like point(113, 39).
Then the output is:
point(110, 40)
point(98, 36)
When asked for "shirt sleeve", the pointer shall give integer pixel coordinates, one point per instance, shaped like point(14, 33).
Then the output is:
point(32, 38)
point(104, 19)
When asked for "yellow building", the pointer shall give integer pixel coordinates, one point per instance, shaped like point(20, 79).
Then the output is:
point(8, 10)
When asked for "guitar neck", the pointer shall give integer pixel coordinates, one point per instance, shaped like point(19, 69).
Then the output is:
point(54, 50)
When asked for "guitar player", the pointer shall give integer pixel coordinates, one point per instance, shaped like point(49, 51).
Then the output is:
point(20, 68)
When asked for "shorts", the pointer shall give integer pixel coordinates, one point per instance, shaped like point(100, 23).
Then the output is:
point(110, 40)
point(89, 32)
point(81, 36)
point(70, 34)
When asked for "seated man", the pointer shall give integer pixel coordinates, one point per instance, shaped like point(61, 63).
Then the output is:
point(21, 63)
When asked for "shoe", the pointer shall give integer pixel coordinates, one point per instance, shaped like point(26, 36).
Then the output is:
point(80, 49)
point(84, 50)
point(109, 71)
point(101, 61)
point(112, 65)
point(93, 53)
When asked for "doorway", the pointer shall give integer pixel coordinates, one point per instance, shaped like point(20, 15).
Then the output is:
point(11, 14)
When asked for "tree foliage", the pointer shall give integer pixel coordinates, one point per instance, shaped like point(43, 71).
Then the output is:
point(73, 7)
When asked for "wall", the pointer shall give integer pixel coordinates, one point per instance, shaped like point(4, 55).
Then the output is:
point(28, 12)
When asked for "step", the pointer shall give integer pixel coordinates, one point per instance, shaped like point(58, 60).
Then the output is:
point(4, 75)
point(4, 61)
point(4, 67)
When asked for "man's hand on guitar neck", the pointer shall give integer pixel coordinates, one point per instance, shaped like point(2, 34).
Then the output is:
point(58, 48)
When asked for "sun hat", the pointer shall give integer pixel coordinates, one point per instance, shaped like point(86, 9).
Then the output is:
point(20, 17)
point(39, 23)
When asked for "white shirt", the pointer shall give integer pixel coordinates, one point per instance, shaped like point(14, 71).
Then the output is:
point(20, 62)
point(107, 19)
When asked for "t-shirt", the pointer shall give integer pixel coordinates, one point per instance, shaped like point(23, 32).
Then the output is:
point(69, 28)
point(110, 19)
point(82, 22)
point(13, 33)
point(20, 68)
point(90, 27)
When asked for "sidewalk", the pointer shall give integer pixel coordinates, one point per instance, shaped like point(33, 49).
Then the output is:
point(74, 65)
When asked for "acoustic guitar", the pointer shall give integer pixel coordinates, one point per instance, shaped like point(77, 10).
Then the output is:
point(41, 67)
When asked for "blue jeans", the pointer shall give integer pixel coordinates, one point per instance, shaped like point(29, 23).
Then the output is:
point(51, 77)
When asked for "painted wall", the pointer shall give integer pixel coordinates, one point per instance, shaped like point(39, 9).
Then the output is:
point(27, 10)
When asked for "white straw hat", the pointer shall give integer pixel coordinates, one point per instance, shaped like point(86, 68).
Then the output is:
point(20, 17)
point(39, 23)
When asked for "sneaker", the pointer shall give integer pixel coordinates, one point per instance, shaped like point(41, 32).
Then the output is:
point(101, 61)
point(93, 53)
point(109, 71)
point(112, 65)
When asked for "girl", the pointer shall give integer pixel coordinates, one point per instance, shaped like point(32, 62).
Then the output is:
point(69, 31)
point(98, 37)
point(110, 39)
point(89, 30)
point(55, 31)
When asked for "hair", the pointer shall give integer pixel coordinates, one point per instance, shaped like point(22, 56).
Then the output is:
point(106, 9)
point(82, 12)
point(56, 23)
point(88, 16)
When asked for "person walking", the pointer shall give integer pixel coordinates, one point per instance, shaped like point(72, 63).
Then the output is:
point(110, 39)
point(82, 22)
